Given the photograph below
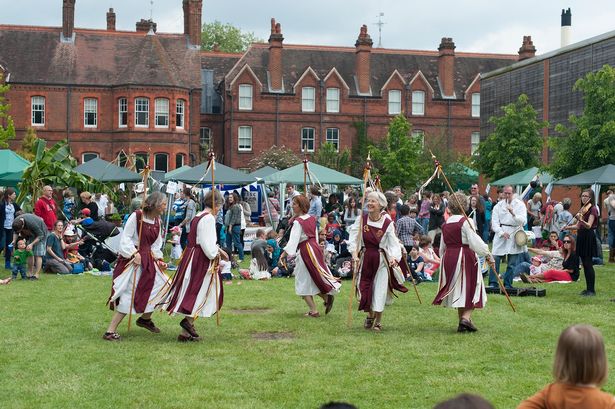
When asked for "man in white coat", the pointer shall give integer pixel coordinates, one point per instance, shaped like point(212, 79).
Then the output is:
point(508, 217)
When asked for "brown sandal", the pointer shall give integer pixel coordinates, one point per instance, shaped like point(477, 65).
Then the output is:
point(148, 325)
point(369, 323)
point(314, 314)
point(377, 327)
point(112, 336)
point(186, 325)
point(187, 338)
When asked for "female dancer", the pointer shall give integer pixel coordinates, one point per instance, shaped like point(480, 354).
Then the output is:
point(586, 240)
point(138, 275)
point(380, 250)
point(312, 276)
point(193, 289)
point(460, 283)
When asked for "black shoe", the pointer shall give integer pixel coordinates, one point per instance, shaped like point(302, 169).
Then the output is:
point(468, 325)
point(148, 325)
point(588, 293)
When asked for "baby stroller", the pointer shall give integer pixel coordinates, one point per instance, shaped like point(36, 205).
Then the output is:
point(94, 248)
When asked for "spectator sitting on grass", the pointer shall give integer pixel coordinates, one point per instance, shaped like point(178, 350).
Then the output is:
point(432, 261)
point(465, 401)
point(417, 264)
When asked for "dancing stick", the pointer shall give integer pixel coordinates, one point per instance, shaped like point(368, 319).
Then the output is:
point(404, 260)
point(491, 264)
point(355, 255)
point(214, 272)
point(305, 172)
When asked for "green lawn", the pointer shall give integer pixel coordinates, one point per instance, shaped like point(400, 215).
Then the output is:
point(52, 354)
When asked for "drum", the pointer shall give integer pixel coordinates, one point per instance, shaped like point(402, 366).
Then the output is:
point(522, 237)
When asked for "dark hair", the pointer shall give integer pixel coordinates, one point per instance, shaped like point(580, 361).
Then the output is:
point(404, 210)
point(207, 200)
point(302, 202)
point(338, 405)
point(7, 192)
point(572, 247)
point(465, 401)
point(592, 196)
point(351, 210)
point(18, 224)
point(229, 253)
point(566, 206)
point(315, 190)
point(580, 357)
point(187, 192)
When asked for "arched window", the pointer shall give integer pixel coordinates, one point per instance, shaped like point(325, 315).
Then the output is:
point(161, 162)
point(179, 160)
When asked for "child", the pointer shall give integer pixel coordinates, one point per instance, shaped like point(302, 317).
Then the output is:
point(176, 251)
point(432, 261)
point(225, 268)
point(72, 249)
point(580, 369)
point(537, 267)
point(331, 226)
point(20, 260)
point(417, 264)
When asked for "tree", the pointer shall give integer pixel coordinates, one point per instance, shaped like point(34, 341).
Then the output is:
point(516, 142)
point(589, 142)
point(7, 127)
point(360, 149)
point(279, 157)
point(27, 145)
point(398, 158)
point(229, 38)
point(327, 155)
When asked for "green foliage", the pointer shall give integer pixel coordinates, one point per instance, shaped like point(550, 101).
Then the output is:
point(360, 149)
point(279, 157)
point(7, 127)
point(229, 38)
point(398, 158)
point(54, 167)
point(589, 142)
point(28, 144)
point(328, 156)
point(516, 142)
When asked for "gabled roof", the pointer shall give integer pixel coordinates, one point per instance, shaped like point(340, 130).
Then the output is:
point(98, 58)
point(297, 58)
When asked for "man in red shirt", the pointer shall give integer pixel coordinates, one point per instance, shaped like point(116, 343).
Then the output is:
point(45, 208)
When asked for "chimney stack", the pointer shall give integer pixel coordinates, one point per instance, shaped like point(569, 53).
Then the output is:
point(446, 67)
point(527, 49)
point(276, 39)
point(566, 27)
point(144, 26)
point(193, 10)
point(111, 20)
point(363, 51)
point(68, 21)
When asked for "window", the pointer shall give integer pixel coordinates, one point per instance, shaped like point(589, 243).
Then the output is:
point(245, 138)
point(418, 103)
point(308, 99)
point(476, 105)
point(180, 109)
point(122, 159)
point(307, 140)
point(162, 113)
point(205, 137)
point(244, 170)
point(179, 160)
point(90, 112)
point(333, 137)
point(142, 112)
point(38, 111)
point(86, 157)
point(474, 142)
point(122, 104)
point(394, 102)
point(245, 96)
point(161, 162)
point(333, 100)
point(141, 161)
point(420, 135)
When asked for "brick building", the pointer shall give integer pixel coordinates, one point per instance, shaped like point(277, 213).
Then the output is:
point(158, 96)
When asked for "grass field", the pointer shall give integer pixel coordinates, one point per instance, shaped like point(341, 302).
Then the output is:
point(266, 354)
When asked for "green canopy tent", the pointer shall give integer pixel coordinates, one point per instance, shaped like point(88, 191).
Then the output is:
point(10, 162)
point(104, 171)
point(523, 178)
point(263, 172)
point(171, 174)
point(322, 174)
point(604, 175)
point(11, 179)
point(223, 175)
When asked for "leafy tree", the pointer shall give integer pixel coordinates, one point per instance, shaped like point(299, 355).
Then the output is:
point(398, 158)
point(590, 141)
point(229, 38)
point(28, 144)
point(279, 157)
point(7, 127)
point(516, 142)
point(328, 156)
point(360, 149)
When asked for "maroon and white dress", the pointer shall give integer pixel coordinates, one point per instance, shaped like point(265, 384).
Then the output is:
point(312, 276)
point(461, 283)
point(193, 289)
point(148, 278)
point(379, 245)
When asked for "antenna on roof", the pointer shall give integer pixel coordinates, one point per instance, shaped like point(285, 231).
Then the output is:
point(151, 10)
point(380, 23)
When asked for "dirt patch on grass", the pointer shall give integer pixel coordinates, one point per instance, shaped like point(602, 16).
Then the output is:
point(251, 310)
point(272, 336)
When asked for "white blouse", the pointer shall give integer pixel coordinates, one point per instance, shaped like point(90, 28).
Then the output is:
point(129, 240)
point(206, 235)
point(297, 236)
point(389, 243)
point(468, 236)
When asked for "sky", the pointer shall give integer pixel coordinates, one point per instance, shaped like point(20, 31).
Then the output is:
point(492, 26)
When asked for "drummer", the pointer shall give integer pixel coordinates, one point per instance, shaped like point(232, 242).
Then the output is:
point(507, 218)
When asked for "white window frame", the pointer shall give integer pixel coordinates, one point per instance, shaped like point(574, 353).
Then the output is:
point(144, 102)
point(419, 133)
point(476, 105)
point(394, 98)
point(418, 102)
point(122, 109)
point(37, 104)
point(183, 160)
point(308, 102)
point(96, 155)
point(245, 97)
point(161, 113)
point(166, 155)
point(333, 137)
point(180, 113)
point(244, 139)
point(90, 106)
point(307, 140)
point(474, 142)
point(333, 100)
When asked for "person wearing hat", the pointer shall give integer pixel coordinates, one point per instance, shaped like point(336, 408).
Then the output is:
point(88, 203)
point(375, 249)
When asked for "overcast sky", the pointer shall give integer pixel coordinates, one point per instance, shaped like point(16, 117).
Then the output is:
point(475, 25)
